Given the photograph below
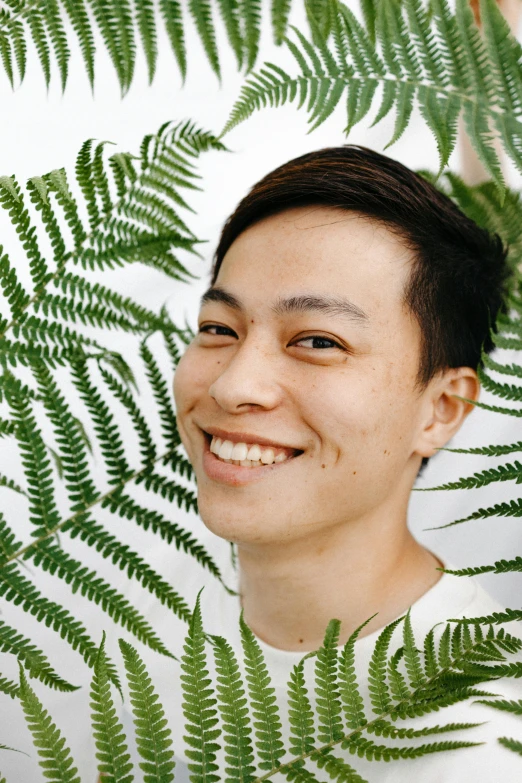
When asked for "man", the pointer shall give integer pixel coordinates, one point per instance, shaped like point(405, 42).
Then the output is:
point(337, 346)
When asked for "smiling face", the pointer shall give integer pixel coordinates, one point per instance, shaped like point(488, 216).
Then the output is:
point(306, 350)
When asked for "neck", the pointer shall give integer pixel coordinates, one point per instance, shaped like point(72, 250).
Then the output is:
point(291, 591)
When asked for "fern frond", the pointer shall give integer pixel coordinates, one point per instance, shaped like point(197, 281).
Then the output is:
point(43, 512)
point(511, 744)
point(439, 61)
point(56, 756)
point(377, 685)
point(130, 561)
point(38, 34)
point(147, 27)
point(505, 705)
point(201, 11)
point(199, 705)
point(14, 292)
point(233, 709)
point(171, 490)
point(300, 714)
point(495, 450)
point(11, 689)
point(507, 616)
point(153, 737)
point(328, 701)
point(172, 17)
point(509, 472)
point(33, 659)
point(350, 695)
point(267, 725)
point(105, 427)
point(279, 11)
point(111, 748)
point(169, 531)
point(252, 31)
point(55, 560)
point(9, 483)
point(499, 567)
point(370, 750)
point(412, 657)
point(513, 508)
point(77, 12)
point(162, 396)
point(506, 391)
point(17, 588)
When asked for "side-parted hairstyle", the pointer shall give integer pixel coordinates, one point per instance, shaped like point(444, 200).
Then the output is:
point(459, 275)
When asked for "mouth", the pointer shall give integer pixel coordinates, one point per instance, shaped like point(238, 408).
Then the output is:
point(237, 458)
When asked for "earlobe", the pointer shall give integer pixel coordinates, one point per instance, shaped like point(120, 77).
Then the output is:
point(448, 408)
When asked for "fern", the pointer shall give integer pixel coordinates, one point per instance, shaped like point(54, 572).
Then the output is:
point(217, 713)
point(112, 755)
point(56, 757)
point(441, 62)
point(153, 739)
point(130, 204)
point(117, 26)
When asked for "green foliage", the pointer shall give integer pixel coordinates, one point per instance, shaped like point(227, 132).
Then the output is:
point(119, 209)
point(225, 743)
point(405, 55)
point(56, 761)
point(55, 28)
point(152, 737)
point(482, 204)
point(112, 755)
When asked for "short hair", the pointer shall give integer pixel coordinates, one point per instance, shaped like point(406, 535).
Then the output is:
point(458, 281)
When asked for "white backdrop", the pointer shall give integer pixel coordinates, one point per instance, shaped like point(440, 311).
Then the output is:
point(44, 130)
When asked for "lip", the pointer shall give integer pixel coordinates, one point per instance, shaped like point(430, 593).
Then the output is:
point(237, 475)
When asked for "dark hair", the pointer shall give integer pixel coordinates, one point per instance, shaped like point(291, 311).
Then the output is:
point(458, 280)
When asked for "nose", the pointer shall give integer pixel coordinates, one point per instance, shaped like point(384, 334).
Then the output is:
point(249, 381)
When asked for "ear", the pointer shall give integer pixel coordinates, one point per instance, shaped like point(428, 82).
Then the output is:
point(444, 412)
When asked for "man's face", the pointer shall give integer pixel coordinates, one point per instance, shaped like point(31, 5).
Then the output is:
point(311, 352)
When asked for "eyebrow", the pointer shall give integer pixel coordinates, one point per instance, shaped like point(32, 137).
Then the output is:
point(303, 303)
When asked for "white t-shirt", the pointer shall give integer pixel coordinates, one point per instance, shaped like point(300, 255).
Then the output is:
point(451, 597)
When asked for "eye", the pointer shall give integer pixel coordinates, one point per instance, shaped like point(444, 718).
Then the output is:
point(217, 330)
point(316, 341)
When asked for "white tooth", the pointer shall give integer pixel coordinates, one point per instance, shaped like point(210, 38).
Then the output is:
point(267, 456)
point(225, 450)
point(228, 460)
point(240, 451)
point(254, 453)
point(245, 463)
point(215, 445)
point(280, 457)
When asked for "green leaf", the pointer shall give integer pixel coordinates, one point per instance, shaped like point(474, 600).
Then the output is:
point(199, 705)
point(201, 11)
point(56, 757)
point(111, 748)
point(412, 657)
point(511, 744)
point(377, 685)
point(349, 690)
point(264, 710)
point(328, 698)
point(233, 708)
point(153, 736)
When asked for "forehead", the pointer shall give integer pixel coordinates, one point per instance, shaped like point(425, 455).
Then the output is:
point(325, 250)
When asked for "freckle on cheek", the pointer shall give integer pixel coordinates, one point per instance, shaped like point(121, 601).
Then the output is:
point(354, 472)
point(323, 466)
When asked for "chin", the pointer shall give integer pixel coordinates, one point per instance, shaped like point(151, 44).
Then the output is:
point(240, 523)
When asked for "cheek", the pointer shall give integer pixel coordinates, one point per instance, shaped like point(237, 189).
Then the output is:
point(190, 380)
